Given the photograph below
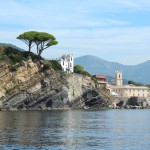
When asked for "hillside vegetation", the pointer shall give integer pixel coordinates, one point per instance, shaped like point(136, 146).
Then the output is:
point(14, 58)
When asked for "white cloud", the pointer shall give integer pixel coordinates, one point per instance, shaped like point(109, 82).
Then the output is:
point(89, 28)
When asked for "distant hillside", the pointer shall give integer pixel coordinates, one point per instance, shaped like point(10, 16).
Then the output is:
point(11, 45)
point(95, 65)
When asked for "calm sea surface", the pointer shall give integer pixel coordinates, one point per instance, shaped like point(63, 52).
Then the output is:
point(75, 129)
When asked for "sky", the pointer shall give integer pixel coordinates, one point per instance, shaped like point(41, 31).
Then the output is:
point(114, 30)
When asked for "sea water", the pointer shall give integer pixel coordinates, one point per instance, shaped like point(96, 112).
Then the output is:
point(75, 129)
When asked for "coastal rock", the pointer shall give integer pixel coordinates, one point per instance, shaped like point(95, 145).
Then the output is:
point(131, 103)
point(30, 89)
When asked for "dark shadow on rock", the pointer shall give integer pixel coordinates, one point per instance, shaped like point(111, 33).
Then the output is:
point(133, 101)
point(49, 103)
point(120, 104)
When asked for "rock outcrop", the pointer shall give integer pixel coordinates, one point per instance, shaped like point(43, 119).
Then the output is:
point(29, 88)
point(131, 103)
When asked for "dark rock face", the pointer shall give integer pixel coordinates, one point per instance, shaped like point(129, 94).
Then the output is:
point(49, 93)
point(120, 104)
point(93, 99)
point(131, 103)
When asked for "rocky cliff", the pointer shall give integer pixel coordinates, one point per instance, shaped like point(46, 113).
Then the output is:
point(28, 82)
point(31, 88)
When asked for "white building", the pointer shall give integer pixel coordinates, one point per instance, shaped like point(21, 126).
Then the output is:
point(67, 62)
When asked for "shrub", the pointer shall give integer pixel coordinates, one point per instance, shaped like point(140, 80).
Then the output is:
point(9, 51)
point(14, 55)
point(16, 58)
point(94, 79)
point(86, 73)
point(3, 58)
point(80, 70)
point(13, 68)
point(55, 65)
point(31, 55)
point(46, 67)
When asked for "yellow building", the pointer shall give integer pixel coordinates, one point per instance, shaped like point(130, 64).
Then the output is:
point(131, 91)
point(127, 90)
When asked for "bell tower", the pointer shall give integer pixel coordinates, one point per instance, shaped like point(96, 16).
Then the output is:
point(118, 78)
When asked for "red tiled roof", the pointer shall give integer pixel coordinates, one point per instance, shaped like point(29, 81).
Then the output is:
point(100, 76)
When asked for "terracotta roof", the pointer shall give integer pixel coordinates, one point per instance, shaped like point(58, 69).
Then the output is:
point(100, 76)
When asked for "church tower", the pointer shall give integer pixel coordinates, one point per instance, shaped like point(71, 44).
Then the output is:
point(118, 78)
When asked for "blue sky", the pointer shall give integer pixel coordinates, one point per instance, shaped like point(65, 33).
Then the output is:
point(114, 30)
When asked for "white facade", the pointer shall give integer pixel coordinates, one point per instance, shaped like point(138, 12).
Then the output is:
point(67, 63)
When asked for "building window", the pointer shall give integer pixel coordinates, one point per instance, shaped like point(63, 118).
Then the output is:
point(63, 63)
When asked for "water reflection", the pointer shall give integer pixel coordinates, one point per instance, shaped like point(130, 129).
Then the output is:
point(75, 129)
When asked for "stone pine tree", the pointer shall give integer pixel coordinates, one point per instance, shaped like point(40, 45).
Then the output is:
point(42, 40)
point(28, 38)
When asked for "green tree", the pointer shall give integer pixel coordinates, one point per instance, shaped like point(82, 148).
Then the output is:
point(28, 38)
point(130, 82)
point(135, 83)
point(44, 40)
point(78, 69)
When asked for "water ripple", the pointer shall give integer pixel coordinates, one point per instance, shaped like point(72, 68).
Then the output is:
point(75, 129)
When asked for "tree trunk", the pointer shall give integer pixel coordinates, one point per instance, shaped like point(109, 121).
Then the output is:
point(30, 46)
point(40, 52)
